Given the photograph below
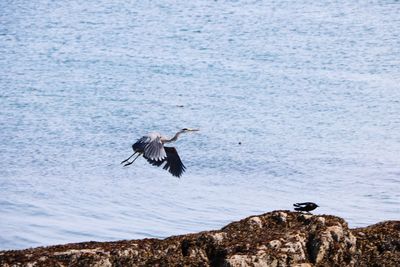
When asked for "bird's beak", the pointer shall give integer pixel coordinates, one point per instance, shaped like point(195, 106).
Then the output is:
point(192, 130)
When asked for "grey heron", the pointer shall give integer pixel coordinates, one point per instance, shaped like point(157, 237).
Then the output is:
point(151, 146)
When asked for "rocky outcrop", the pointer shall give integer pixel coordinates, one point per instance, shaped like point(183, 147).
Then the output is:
point(279, 238)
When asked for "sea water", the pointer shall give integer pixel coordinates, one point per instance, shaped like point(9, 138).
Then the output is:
point(295, 100)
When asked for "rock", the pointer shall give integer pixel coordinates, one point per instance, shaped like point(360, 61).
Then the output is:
point(256, 221)
point(279, 238)
point(274, 244)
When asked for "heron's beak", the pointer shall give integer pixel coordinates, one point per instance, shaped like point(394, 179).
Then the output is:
point(193, 130)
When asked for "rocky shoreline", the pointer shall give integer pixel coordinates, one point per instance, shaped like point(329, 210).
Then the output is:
point(278, 238)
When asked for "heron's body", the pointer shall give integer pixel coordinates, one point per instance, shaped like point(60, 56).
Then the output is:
point(306, 206)
point(151, 146)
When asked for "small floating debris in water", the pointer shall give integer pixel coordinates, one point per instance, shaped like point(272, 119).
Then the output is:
point(240, 143)
point(180, 106)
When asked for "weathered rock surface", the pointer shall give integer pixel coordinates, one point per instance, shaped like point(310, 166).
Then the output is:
point(279, 238)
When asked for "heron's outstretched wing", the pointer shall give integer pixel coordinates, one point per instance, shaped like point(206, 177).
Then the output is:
point(151, 147)
point(173, 163)
point(157, 163)
point(140, 144)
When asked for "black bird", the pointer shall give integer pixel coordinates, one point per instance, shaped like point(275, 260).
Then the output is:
point(305, 206)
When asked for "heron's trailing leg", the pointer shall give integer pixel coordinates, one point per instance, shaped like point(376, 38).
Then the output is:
point(129, 163)
point(128, 158)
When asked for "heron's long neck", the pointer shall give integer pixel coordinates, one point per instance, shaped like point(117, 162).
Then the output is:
point(173, 139)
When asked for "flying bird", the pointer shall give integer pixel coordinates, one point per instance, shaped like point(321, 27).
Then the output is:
point(151, 146)
point(306, 206)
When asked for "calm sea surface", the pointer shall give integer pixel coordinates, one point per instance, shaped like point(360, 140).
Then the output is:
point(311, 89)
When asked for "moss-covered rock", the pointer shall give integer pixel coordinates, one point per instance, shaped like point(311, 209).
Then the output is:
point(279, 238)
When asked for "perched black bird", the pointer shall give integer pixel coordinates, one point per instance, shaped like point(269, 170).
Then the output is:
point(306, 206)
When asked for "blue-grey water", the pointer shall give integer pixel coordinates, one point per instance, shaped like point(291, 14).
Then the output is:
point(311, 89)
